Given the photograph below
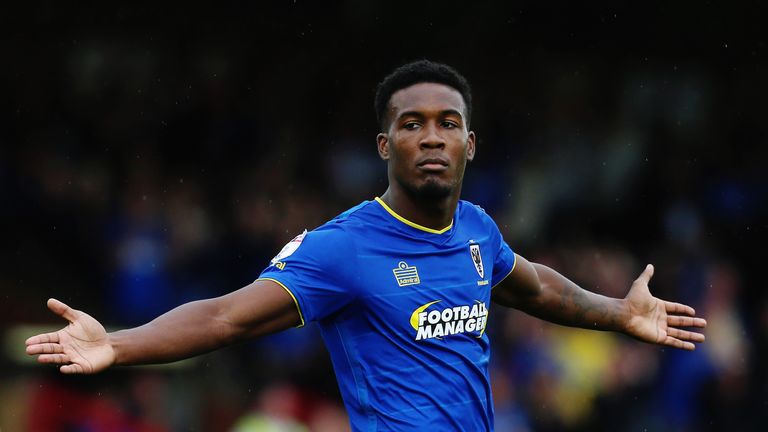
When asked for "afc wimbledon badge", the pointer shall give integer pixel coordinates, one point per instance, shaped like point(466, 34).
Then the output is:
point(474, 250)
point(288, 249)
point(405, 274)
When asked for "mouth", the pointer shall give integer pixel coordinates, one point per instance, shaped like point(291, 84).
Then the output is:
point(433, 165)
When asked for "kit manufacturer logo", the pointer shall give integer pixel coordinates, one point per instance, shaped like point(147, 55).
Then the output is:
point(406, 275)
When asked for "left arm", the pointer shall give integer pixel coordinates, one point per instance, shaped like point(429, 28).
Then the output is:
point(544, 293)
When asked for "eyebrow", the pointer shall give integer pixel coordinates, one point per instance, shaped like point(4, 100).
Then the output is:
point(420, 114)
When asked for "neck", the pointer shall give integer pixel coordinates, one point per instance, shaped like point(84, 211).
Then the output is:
point(430, 212)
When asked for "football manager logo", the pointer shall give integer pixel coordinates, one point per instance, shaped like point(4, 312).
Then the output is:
point(436, 323)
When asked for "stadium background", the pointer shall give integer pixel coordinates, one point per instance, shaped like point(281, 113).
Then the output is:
point(155, 155)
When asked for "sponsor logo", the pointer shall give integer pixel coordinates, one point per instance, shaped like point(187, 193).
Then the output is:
point(406, 275)
point(431, 321)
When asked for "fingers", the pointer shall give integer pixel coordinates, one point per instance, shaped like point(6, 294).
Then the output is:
point(72, 369)
point(53, 358)
point(685, 335)
point(686, 321)
point(679, 338)
point(62, 310)
point(44, 348)
point(43, 338)
point(67, 367)
point(679, 308)
point(683, 339)
point(646, 275)
point(61, 359)
point(677, 343)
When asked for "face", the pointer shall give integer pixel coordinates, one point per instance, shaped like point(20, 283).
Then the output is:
point(427, 144)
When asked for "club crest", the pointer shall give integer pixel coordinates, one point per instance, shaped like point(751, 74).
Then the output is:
point(477, 259)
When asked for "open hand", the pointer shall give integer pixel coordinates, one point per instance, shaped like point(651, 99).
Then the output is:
point(82, 347)
point(657, 321)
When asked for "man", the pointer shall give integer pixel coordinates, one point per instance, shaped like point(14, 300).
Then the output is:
point(400, 285)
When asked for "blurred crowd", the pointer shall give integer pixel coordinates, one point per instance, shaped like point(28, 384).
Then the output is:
point(141, 170)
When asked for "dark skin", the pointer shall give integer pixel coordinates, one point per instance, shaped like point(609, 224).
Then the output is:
point(427, 146)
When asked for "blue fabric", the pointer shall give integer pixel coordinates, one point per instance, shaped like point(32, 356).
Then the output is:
point(402, 312)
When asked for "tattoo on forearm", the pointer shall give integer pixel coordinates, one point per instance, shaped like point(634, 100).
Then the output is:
point(585, 309)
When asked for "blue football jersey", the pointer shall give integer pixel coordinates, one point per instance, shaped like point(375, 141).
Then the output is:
point(403, 311)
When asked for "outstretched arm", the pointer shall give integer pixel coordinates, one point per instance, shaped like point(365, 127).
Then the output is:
point(542, 292)
point(194, 328)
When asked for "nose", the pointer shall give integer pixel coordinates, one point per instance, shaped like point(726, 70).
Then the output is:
point(431, 137)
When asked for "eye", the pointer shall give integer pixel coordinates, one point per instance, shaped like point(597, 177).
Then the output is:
point(449, 124)
point(411, 125)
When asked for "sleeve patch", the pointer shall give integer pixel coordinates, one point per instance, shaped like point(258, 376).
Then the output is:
point(289, 248)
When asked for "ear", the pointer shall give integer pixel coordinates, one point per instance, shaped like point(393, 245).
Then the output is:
point(382, 143)
point(471, 146)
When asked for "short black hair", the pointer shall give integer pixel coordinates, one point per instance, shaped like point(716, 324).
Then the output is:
point(421, 71)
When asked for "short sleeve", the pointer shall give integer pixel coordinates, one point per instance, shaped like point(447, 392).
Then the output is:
point(504, 262)
point(504, 258)
point(316, 269)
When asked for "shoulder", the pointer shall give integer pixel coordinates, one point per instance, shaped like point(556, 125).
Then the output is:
point(474, 217)
point(351, 222)
point(318, 250)
point(353, 213)
point(469, 211)
point(342, 229)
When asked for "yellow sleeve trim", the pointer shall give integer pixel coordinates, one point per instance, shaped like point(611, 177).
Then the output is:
point(301, 316)
point(409, 223)
point(510, 272)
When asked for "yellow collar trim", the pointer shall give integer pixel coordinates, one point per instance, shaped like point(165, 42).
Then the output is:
point(409, 223)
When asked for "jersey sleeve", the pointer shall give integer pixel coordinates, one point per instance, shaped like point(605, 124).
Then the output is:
point(504, 258)
point(315, 269)
point(504, 262)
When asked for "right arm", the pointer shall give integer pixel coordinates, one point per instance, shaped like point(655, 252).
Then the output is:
point(194, 328)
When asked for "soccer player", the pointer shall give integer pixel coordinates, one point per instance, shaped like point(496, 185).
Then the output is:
point(400, 285)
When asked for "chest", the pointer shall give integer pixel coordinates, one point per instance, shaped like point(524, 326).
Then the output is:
point(426, 290)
